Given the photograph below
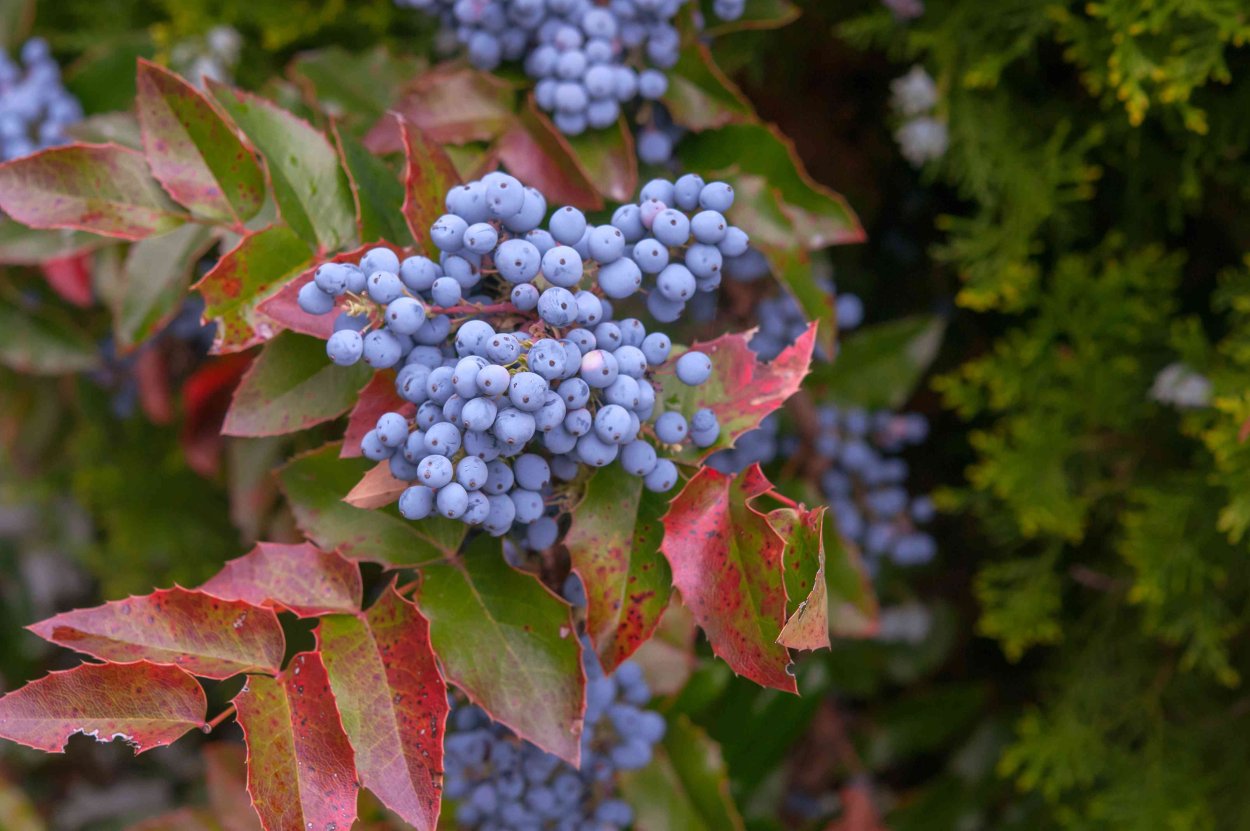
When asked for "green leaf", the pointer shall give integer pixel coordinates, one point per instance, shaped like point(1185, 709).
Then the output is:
point(377, 191)
point(879, 366)
point(509, 643)
point(309, 185)
point(291, 387)
point(315, 484)
point(357, 87)
point(100, 188)
point(614, 544)
point(43, 340)
point(154, 281)
point(428, 176)
point(685, 787)
point(103, 79)
point(20, 245)
point(609, 160)
point(257, 268)
point(196, 156)
point(853, 610)
point(16, 18)
point(759, 15)
point(803, 564)
point(700, 96)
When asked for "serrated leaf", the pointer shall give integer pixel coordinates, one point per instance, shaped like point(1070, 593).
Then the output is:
point(315, 484)
point(726, 562)
point(700, 96)
point(509, 644)
point(376, 191)
point(879, 366)
point(428, 176)
point(261, 264)
point(376, 398)
point(309, 185)
point(452, 105)
point(538, 154)
point(290, 387)
point(143, 704)
point(101, 188)
point(803, 563)
point(742, 390)
point(202, 634)
point(614, 545)
point(300, 769)
point(193, 152)
point(154, 281)
point(43, 340)
point(298, 577)
point(685, 787)
point(393, 702)
point(609, 159)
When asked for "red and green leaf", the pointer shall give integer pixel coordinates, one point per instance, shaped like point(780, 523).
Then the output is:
point(202, 634)
point(614, 544)
point(726, 562)
point(378, 396)
point(193, 152)
point(291, 387)
point(451, 104)
point(807, 601)
point(101, 188)
point(539, 155)
point(609, 160)
point(261, 264)
point(300, 769)
point(509, 644)
point(700, 96)
point(298, 577)
point(144, 704)
point(393, 703)
point(428, 176)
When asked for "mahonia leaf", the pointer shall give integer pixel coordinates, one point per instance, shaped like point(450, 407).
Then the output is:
point(70, 278)
point(290, 387)
point(202, 634)
point(193, 152)
point(376, 190)
point(101, 188)
point(154, 281)
point(375, 398)
point(299, 578)
point(146, 705)
point(225, 780)
point(451, 104)
point(393, 702)
point(700, 96)
point(609, 160)
point(539, 154)
point(803, 561)
point(614, 544)
point(741, 390)
point(509, 644)
point(353, 84)
point(377, 488)
point(428, 176)
point(726, 562)
point(300, 769)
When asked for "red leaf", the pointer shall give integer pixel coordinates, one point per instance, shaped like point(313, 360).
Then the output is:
point(225, 779)
point(180, 819)
point(539, 155)
point(377, 397)
point(102, 188)
point(807, 598)
point(742, 390)
point(393, 702)
point(452, 105)
point(152, 378)
point(428, 176)
point(143, 704)
point(203, 634)
point(205, 399)
point(726, 562)
point(301, 578)
point(261, 264)
point(300, 769)
point(70, 277)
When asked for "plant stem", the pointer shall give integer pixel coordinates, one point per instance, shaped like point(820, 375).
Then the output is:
point(220, 717)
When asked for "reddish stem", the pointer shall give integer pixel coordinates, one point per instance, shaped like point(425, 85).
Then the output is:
point(222, 716)
point(408, 587)
point(468, 309)
point(785, 500)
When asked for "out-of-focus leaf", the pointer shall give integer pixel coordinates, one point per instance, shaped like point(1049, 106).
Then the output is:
point(17, 813)
point(452, 105)
point(614, 544)
point(357, 87)
point(202, 634)
point(101, 188)
point(853, 611)
point(143, 704)
point(108, 128)
point(20, 245)
point(70, 278)
point(299, 577)
point(180, 819)
point(16, 18)
point(759, 15)
point(668, 658)
point(43, 340)
point(700, 96)
point(291, 387)
point(154, 281)
point(509, 644)
point(879, 366)
point(225, 779)
point(609, 159)
point(539, 155)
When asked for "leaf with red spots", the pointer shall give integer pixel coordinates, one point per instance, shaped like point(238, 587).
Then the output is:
point(144, 704)
point(614, 544)
point(291, 387)
point(300, 769)
point(451, 104)
point(315, 484)
point(609, 159)
point(193, 152)
point(299, 577)
point(200, 633)
point(311, 188)
point(393, 702)
point(540, 156)
point(509, 644)
point(807, 601)
point(101, 188)
point(726, 562)
point(154, 281)
point(261, 264)
point(742, 390)
point(428, 176)
point(377, 397)
point(377, 488)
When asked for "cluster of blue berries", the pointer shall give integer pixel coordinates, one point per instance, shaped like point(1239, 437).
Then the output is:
point(588, 59)
point(530, 376)
point(35, 108)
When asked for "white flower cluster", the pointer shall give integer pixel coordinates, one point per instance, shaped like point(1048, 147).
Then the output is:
point(922, 137)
